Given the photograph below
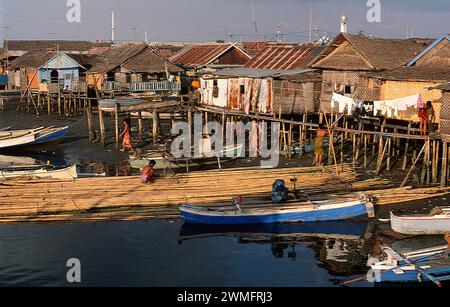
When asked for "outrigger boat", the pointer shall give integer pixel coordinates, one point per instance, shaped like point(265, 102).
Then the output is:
point(39, 172)
point(31, 137)
point(329, 210)
point(428, 224)
point(427, 264)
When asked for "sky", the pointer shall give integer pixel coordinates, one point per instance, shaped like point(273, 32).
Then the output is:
point(210, 20)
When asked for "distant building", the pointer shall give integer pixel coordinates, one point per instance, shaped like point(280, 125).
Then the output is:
point(348, 57)
point(130, 67)
point(210, 56)
point(36, 70)
point(277, 80)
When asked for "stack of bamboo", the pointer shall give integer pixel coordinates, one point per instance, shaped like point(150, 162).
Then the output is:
point(26, 198)
point(125, 198)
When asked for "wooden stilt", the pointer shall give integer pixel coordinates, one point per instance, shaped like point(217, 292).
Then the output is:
point(116, 122)
point(102, 126)
point(140, 128)
point(155, 126)
point(444, 164)
point(413, 165)
point(90, 123)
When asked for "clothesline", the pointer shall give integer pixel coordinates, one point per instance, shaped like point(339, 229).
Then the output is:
point(382, 107)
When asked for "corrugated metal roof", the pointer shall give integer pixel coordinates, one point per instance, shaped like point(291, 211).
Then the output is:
point(259, 73)
point(285, 56)
point(200, 55)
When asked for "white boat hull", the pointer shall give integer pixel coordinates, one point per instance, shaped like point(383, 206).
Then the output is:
point(68, 173)
point(421, 225)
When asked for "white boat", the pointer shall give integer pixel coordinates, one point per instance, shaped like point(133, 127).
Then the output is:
point(39, 172)
point(426, 224)
point(30, 137)
point(427, 264)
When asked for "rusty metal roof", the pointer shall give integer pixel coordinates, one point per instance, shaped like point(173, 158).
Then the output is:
point(201, 55)
point(284, 56)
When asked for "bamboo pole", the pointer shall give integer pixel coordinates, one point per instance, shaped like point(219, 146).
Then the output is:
point(444, 164)
point(413, 166)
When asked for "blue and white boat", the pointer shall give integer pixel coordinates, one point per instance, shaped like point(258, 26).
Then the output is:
point(31, 137)
point(330, 210)
point(424, 265)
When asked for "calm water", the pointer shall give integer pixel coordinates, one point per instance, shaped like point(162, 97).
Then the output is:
point(156, 254)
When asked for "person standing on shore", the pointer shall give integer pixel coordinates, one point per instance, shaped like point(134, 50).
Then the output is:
point(147, 172)
point(126, 135)
point(318, 148)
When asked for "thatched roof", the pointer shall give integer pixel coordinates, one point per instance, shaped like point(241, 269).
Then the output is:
point(32, 59)
point(134, 57)
point(445, 87)
point(412, 74)
point(358, 52)
point(150, 62)
point(62, 45)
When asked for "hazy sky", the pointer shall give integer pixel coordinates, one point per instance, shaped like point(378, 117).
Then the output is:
point(206, 20)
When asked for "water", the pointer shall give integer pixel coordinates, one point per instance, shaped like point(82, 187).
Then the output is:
point(153, 254)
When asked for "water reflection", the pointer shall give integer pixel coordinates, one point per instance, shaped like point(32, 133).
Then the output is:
point(339, 247)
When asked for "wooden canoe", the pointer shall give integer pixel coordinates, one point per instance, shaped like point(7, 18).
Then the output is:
point(422, 224)
point(332, 210)
point(67, 173)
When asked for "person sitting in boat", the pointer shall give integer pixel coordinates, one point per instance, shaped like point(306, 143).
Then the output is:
point(147, 172)
point(126, 135)
point(319, 150)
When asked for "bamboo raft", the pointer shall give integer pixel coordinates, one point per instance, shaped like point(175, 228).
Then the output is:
point(125, 198)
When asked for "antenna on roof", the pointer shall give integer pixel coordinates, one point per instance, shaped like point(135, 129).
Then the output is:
point(113, 27)
point(254, 18)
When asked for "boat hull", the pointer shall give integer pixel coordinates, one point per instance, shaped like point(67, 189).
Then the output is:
point(195, 215)
point(68, 173)
point(421, 225)
point(32, 139)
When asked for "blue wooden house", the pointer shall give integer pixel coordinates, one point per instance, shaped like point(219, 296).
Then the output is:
point(37, 69)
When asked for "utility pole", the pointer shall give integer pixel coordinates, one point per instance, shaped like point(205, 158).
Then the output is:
point(310, 23)
point(146, 36)
point(254, 18)
point(113, 28)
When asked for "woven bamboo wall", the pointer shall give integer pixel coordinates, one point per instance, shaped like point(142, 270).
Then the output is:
point(400, 89)
point(368, 89)
point(444, 126)
point(332, 78)
point(295, 97)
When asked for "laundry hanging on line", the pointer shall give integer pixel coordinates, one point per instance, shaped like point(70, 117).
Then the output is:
point(383, 107)
point(391, 107)
point(343, 102)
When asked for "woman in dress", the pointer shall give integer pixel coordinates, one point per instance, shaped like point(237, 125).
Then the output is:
point(318, 149)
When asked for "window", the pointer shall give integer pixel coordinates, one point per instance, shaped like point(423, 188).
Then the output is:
point(242, 89)
point(215, 93)
point(68, 77)
point(348, 89)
